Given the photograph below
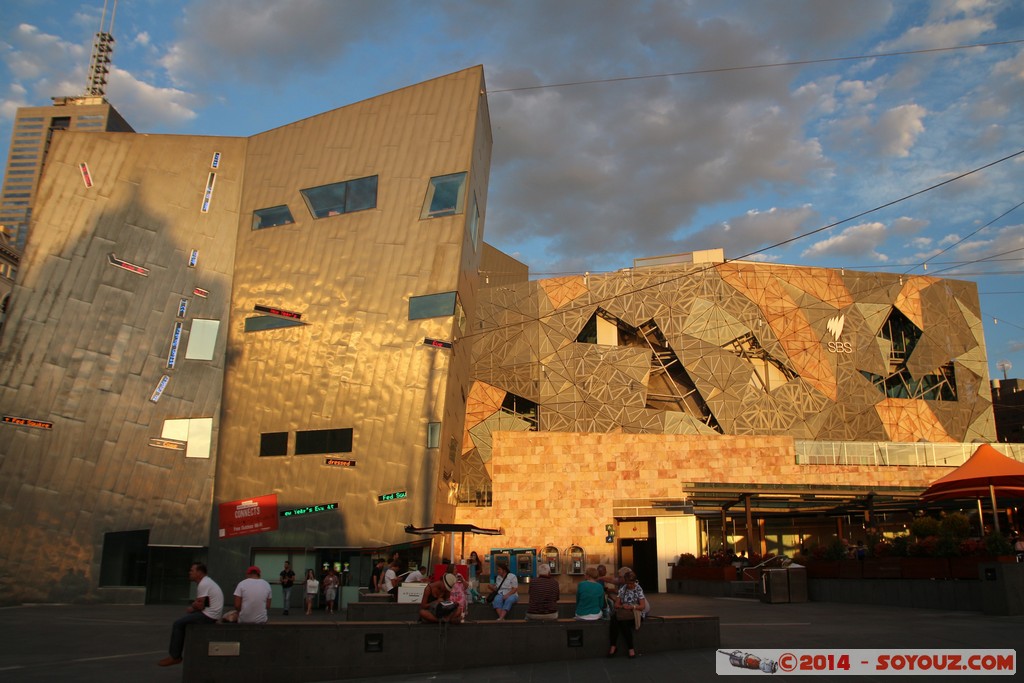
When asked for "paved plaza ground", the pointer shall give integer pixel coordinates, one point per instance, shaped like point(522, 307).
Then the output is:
point(119, 644)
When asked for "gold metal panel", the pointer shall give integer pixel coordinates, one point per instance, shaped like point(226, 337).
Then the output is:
point(92, 342)
point(359, 362)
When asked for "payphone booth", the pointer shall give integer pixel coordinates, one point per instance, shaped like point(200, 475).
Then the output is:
point(521, 561)
point(552, 557)
point(577, 560)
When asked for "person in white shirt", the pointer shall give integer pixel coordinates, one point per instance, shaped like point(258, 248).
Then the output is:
point(390, 582)
point(252, 598)
point(205, 609)
point(416, 576)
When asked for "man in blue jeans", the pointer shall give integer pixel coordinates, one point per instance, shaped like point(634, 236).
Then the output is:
point(205, 609)
point(287, 581)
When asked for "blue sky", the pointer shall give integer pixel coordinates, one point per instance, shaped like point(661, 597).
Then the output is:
point(587, 177)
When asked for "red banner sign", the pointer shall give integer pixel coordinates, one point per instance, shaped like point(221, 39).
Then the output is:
point(243, 517)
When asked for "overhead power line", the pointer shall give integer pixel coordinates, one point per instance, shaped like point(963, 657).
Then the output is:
point(529, 319)
point(750, 67)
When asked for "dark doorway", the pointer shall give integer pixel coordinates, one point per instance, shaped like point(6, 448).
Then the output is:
point(167, 582)
point(124, 558)
point(638, 550)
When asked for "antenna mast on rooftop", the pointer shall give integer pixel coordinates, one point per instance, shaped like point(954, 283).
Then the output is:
point(102, 48)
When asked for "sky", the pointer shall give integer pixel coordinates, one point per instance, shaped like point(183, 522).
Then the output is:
point(857, 135)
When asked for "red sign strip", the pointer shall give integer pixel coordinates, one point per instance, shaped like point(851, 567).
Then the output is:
point(130, 267)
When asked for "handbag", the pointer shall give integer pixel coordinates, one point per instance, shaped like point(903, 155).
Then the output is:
point(634, 615)
point(494, 593)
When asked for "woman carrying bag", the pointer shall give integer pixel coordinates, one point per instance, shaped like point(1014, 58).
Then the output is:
point(507, 592)
point(630, 608)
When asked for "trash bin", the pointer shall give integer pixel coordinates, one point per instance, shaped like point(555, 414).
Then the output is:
point(774, 585)
point(797, 584)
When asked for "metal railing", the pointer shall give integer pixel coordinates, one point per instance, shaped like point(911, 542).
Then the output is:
point(877, 453)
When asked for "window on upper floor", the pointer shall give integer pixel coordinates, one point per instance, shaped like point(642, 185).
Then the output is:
point(273, 443)
point(446, 196)
point(432, 305)
point(272, 217)
point(338, 198)
point(473, 225)
point(319, 441)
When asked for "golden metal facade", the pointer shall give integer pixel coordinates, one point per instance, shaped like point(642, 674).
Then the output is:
point(87, 342)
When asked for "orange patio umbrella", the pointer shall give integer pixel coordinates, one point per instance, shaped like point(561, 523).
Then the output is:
point(986, 473)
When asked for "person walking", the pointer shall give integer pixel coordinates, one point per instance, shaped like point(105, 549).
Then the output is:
point(287, 581)
point(312, 590)
point(205, 609)
point(330, 586)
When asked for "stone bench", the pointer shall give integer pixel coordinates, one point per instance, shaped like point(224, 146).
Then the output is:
point(301, 652)
point(405, 611)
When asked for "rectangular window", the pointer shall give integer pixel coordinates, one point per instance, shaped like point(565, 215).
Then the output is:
point(446, 195)
point(31, 118)
point(24, 156)
point(432, 306)
point(273, 443)
point(197, 432)
point(272, 217)
point(339, 198)
point(260, 323)
point(202, 339)
point(433, 434)
point(318, 441)
point(474, 225)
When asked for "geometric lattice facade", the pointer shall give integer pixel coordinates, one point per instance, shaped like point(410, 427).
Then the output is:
point(744, 348)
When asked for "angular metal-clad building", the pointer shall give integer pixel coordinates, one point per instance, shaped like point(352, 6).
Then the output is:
point(224, 338)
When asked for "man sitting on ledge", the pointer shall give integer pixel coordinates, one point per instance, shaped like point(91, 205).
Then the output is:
point(544, 594)
point(205, 609)
point(437, 604)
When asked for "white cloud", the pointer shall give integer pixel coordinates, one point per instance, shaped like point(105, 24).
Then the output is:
point(741, 235)
point(898, 128)
point(140, 101)
point(861, 240)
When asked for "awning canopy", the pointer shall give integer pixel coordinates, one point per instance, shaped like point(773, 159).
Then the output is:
point(792, 500)
point(452, 529)
point(987, 473)
point(986, 468)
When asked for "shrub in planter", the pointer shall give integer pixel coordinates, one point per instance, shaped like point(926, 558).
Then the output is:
point(925, 547)
point(687, 560)
point(997, 544)
point(881, 549)
point(955, 525)
point(836, 550)
point(923, 527)
point(973, 547)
